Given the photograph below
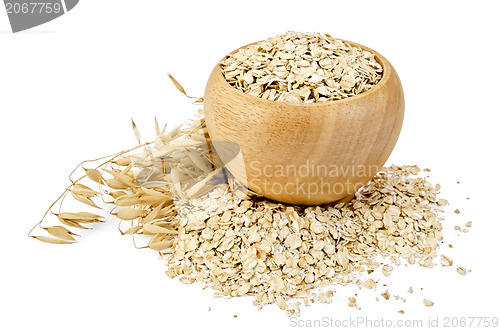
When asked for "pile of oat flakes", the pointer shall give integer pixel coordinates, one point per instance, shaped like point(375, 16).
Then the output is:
point(276, 252)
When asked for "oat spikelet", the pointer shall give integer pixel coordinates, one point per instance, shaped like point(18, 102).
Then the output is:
point(128, 214)
point(178, 85)
point(85, 200)
point(137, 135)
point(51, 240)
point(157, 128)
point(61, 232)
point(83, 190)
point(94, 175)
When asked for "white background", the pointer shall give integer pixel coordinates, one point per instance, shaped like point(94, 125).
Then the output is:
point(68, 89)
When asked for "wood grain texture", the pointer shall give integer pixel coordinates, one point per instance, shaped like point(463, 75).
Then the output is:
point(307, 154)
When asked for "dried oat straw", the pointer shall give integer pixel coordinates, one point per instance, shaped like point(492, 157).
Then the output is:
point(302, 67)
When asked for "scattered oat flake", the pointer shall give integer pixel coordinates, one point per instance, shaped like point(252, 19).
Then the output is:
point(387, 270)
point(462, 271)
point(468, 224)
point(428, 303)
point(446, 261)
point(401, 311)
point(442, 202)
point(386, 295)
point(370, 283)
point(457, 211)
point(322, 298)
point(187, 280)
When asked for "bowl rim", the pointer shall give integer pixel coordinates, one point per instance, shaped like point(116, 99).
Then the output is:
point(386, 73)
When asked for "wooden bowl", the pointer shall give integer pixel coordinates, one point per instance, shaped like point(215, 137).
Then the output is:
point(307, 154)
